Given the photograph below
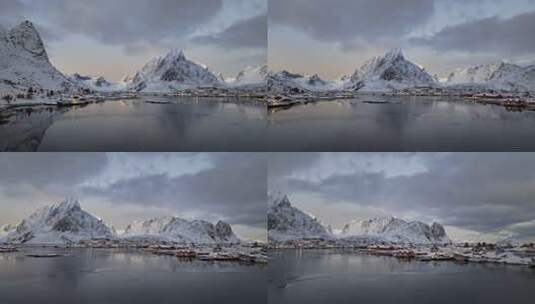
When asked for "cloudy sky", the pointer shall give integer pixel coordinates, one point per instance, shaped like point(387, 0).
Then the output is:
point(477, 196)
point(333, 37)
point(121, 188)
point(115, 38)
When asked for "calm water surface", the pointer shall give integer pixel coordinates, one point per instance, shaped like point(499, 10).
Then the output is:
point(130, 277)
point(187, 124)
point(326, 277)
point(401, 124)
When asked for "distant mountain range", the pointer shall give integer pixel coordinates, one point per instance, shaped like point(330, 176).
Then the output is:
point(397, 230)
point(286, 222)
point(66, 222)
point(24, 63)
point(497, 76)
point(392, 71)
point(182, 231)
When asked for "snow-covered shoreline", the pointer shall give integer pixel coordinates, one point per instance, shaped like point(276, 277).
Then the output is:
point(460, 253)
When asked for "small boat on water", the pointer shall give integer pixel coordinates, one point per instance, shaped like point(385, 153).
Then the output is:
point(44, 255)
point(376, 101)
point(157, 101)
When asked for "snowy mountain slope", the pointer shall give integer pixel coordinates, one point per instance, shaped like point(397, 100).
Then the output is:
point(396, 230)
point(172, 72)
point(251, 76)
point(6, 229)
point(478, 74)
point(179, 230)
point(24, 61)
point(289, 223)
point(59, 223)
point(389, 72)
point(496, 76)
point(286, 82)
point(99, 84)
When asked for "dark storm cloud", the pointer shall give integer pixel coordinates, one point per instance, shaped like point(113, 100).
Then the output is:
point(125, 22)
point(341, 20)
point(250, 33)
point(234, 187)
point(507, 36)
point(484, 192)
point(21, 172)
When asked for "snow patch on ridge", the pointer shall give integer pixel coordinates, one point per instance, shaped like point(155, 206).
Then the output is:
point(180, 230)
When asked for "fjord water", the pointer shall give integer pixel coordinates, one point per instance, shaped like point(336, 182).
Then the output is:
point(130, 277)
point(325, 276)
point(183, 124)
point(382, 123)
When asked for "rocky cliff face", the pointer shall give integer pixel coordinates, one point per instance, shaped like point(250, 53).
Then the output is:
point(397, 230)
point(388, 72)
point(59, 223)
point(179, 230)
point(24, 61)
point(286, 222)
point(496, 76)
point(172, 72)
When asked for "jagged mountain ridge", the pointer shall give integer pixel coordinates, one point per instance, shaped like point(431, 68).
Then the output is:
point(172, 72)
point(94, 83)
point(24, 62)
point(180, 230)
point(6, 229)
point(497, 76)
point(388, 72)
point(287, 82)
point(59, 223)
point(251, 76)
point(286, 222)
point(397, 230)
point(66, 222)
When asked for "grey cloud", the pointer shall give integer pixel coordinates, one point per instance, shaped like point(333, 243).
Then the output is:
point(484, 192)
point(250, 33)
point(124, 22)
point(10, 11)
point(505, 36)
point(56, 172)
point(341, 20)
point(234, 187)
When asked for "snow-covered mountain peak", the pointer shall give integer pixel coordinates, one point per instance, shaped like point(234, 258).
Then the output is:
point(278, 198)
point(24, 62)
point(62, 222)
point(172, 72)
point(68, 204)
point(286, 222)
point(180, 230)
point(251, 75)
point(26, 36)
point(499, 75)
point(175, 55)
point(396, 230)
point(394, 54)
point(390, 71)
